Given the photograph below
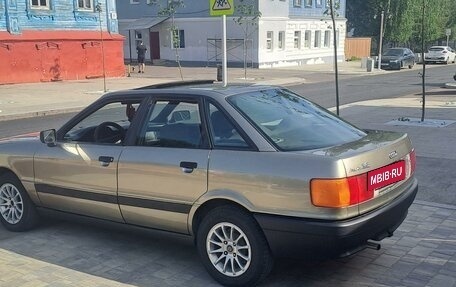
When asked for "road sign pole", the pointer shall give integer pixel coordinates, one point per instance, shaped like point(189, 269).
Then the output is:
point(224, 64)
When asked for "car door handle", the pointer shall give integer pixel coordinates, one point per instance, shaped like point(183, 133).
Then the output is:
point(105, 160)
point(188, 166)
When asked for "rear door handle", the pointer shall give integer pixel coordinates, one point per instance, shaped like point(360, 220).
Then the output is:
point(105, 160)
point(188, 166)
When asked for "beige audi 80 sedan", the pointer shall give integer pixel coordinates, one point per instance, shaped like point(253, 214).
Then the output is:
point(250, 172)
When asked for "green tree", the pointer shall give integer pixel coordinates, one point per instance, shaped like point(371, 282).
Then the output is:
point(169, 9)
point(247, 18)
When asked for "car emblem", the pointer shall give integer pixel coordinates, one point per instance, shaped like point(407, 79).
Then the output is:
point(392, 154)
point(364, 165)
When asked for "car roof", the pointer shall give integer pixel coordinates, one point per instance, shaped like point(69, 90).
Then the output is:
point(445, 47)
point(207, 88)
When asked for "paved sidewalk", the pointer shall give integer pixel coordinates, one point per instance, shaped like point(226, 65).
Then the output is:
point(36, 99)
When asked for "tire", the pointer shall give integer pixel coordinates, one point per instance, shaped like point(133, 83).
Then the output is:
point(17, 211)
point(217, 231)
point(401, 64)
point(447, 61)
point(411, 65)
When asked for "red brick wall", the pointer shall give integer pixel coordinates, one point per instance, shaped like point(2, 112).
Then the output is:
point(45, 56)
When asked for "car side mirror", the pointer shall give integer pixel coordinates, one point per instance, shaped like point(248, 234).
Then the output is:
point(48, 137)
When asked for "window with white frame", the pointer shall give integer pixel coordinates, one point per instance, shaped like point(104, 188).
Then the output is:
point(297, 3)
point(308, 3)
point(317, 43)
point(134, 1)
point(269, 40)
point(297, 39)
point(281, 40)
point(327, 40)
point(318, 3)
point(307, 39)
point(138, 38)
point(42, 4)
point(85, 4)
point(178, 39)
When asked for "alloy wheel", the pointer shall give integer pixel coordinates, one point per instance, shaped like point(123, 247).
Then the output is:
point(11, 203)
point(229, 249)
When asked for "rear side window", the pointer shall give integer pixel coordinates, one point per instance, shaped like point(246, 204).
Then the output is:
point(293, 123)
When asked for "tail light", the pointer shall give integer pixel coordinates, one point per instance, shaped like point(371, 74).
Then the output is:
point(343, 192)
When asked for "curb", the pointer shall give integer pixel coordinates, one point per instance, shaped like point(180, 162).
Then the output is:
point(28, 115)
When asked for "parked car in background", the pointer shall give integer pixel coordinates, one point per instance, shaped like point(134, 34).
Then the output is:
point(440, 54)
point(250, 172)
point(397, 58)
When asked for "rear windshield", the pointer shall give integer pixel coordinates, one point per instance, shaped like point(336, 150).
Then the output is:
point(293, 123)
point(436, 49)
point(393, 52)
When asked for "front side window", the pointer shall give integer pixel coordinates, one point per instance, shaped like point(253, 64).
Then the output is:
point(107, 125)
point(297, 39)
point(40, 3)
point(269, 41)
point(85, 4)
point(173, 124)
point(292, 123)
point(178, 38)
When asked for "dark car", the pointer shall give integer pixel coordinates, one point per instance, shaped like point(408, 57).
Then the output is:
point(397, 58)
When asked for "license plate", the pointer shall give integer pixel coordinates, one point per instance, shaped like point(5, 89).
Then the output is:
point(386, 175)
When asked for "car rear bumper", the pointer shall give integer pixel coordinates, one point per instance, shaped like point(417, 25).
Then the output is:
point(298, 237)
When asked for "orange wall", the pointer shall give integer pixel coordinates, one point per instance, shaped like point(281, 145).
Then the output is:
point(35, 56)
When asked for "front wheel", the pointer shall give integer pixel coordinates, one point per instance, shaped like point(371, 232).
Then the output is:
point(17, 211)
point(233, 248)
point(411, 65)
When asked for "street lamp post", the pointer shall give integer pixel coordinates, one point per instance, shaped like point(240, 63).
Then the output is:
point(99, 10)
point(380, 42)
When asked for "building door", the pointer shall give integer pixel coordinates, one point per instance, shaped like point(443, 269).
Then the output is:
point(154, 45)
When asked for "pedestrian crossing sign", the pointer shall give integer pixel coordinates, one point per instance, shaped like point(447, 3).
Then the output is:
point(221, 7)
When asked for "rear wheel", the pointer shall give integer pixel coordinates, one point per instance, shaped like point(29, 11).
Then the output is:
point(17, 211)
point(233, 248)
point(411, 65)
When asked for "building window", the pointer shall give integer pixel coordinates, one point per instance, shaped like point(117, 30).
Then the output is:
point(297, 39)
point(308, 3)
point(317, 43)
point(281, 42)
point(269, 40)
point(85, 4)
point(178, 39)
point(134, 1)
point(40, 3)
point(307, 36)
point(297, 3)
point(327, 39)
point(318, 3)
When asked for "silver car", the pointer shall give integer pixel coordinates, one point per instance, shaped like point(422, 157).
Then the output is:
point(440, 54)
point(250, 172)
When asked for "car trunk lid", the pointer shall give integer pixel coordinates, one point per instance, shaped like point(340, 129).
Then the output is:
point(377, 166)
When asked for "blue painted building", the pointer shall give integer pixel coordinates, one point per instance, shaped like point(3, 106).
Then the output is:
point(47, 40)
point(289, 32)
